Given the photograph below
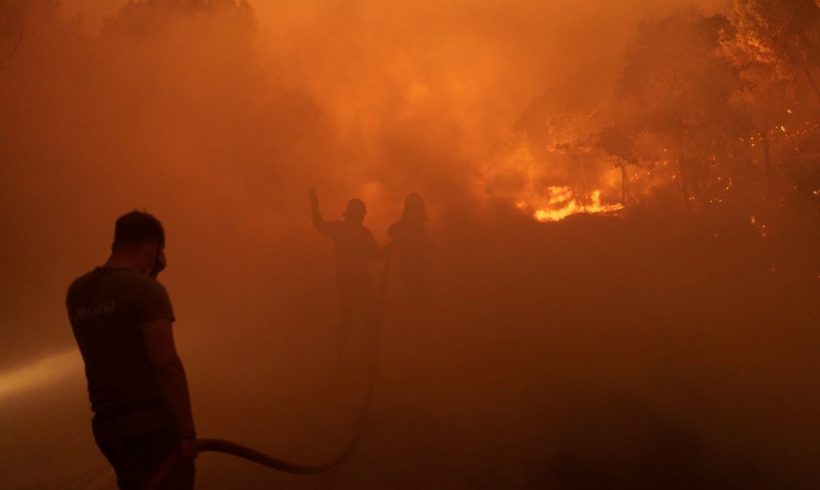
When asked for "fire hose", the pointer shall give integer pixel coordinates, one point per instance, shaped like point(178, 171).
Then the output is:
point(258, 457)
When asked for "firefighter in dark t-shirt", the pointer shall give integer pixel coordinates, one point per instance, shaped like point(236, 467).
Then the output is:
point(122, 319)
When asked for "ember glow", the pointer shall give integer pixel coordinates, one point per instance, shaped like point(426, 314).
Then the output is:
point(760, 227)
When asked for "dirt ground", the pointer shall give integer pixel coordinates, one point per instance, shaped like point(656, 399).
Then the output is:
point(593, 353)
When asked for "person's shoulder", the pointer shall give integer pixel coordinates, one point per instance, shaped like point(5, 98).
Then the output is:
point(152, 284)
point(89, 278)
point(83, 278)
point(79, 283)
point(128, 277)
point(153, 301)
point(131, 280)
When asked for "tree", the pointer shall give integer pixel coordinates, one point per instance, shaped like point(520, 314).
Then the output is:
point(677, 88)
point(619, 143)
point(776, 47)
point(559, 131)
point(782, 33)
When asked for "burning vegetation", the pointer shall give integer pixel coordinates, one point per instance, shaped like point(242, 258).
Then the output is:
point(719, 110)
point(715, 109)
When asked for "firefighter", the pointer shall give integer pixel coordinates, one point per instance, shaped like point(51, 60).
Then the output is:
point(122, 318)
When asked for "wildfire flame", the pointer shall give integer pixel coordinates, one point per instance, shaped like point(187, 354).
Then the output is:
point(561, 202)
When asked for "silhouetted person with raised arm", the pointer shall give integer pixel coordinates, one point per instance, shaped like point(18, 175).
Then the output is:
point(354, 246)
point(409, 236)
point(122, 319)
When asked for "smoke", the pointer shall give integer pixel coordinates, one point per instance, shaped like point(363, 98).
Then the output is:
point(219, 118)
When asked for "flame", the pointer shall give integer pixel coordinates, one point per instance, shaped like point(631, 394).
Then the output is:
point(561, 203)
point(520, 177)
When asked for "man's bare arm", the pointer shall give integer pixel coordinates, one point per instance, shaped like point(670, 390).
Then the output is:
point(318, 222)
point(170, 374)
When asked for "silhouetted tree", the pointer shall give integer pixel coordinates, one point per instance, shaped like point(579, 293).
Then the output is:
point(618, 142)
point(776, 47)
point(782, 33)
point(559, 131)
point(681, 92)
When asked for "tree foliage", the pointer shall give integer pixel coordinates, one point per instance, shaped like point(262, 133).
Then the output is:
point(678, 90)
point(715, 106)
point(784, 34)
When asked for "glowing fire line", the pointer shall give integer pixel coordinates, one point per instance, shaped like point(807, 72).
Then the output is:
point(562, 203)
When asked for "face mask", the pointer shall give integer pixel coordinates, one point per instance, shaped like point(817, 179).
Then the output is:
point(159, 263)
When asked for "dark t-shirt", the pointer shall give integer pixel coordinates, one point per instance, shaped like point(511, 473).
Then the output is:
point(354, 246)
point(107, 308)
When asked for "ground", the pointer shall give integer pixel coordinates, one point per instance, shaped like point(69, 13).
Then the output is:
point(598, 352)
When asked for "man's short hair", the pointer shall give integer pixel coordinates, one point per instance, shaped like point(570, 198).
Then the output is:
point(136, 228)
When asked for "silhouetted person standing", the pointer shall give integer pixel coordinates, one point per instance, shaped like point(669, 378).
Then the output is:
point(355, 247)
point(122, 319)
point(409, 235)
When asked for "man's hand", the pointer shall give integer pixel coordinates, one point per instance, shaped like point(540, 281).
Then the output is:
point(315, 214)
point(170, 375)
